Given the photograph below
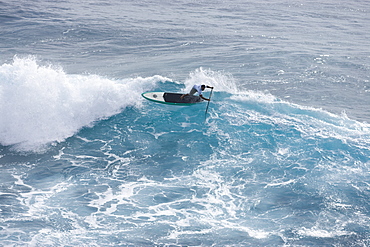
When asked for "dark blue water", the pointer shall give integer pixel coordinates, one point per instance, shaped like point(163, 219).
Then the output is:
point(280, 159)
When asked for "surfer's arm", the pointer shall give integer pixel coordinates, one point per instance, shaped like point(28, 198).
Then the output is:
point(204, 98)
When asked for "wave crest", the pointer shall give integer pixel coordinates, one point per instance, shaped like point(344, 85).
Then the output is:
point(42, 104)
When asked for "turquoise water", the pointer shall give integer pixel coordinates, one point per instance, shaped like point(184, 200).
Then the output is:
point(280, 159)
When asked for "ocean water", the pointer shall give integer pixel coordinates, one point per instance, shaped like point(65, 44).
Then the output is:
point(280, 159)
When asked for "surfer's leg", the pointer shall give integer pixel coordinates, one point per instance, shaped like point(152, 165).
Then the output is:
point(193, 91)
point(182, 96)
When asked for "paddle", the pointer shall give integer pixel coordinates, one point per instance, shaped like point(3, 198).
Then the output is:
point(210, 95)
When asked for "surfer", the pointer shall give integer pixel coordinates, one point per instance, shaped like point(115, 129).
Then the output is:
point(197, 89)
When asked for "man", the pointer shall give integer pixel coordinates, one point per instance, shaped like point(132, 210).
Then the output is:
point(197, 89)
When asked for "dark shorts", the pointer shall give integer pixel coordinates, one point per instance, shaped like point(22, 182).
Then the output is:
point(193, 91)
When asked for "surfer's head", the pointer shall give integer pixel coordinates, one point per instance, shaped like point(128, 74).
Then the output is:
point(203, 87)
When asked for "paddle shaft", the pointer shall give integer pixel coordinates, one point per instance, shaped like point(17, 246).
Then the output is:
point(210, 95)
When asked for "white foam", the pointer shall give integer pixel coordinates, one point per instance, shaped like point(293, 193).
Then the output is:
point(43, 104)
point(321, 233)
point(309, 121)
point(280, 183)
point(221, 81)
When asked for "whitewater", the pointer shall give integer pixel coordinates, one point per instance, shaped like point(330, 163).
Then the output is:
point(280, 159)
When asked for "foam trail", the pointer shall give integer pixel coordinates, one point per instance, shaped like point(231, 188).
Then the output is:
point(41, 104)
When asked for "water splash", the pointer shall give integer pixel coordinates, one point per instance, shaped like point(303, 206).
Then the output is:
point(43, 104)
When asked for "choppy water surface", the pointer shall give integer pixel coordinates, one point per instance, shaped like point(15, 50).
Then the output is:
point(281, 159)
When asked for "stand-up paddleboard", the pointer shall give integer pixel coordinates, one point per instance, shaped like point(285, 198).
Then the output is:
point(171, 98)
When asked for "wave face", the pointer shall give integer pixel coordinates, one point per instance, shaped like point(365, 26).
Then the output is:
point(256, 171)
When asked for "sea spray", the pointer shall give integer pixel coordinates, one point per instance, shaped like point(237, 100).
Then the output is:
point(43, 104)
point(220, 80)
